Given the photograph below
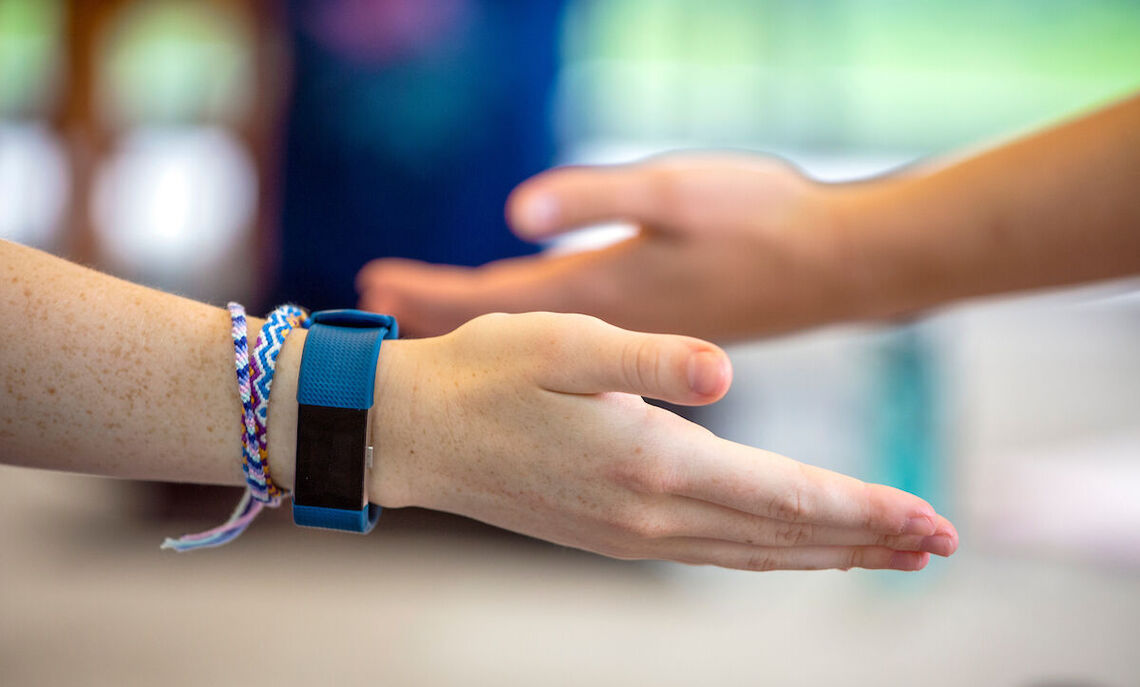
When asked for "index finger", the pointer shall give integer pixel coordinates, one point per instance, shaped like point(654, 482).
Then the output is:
point(770, 485)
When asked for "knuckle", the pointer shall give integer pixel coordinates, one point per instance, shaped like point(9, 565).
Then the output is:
point(653, 527)
point(614, 520)
point(641, 364)
point(645, 476)
point(871, 500)
point(898, 542)
point(640, 524)
point(675, 187)
point(794, 533)
point(855, 559)
point(761, 561)
point(663, 185)
point(789, 506)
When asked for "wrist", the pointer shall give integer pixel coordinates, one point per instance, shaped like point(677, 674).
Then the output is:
point(390, 483)
point(281, 430)
point(868, 265)
point(823, 270)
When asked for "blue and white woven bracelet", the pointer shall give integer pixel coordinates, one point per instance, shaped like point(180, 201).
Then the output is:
point(255, 378)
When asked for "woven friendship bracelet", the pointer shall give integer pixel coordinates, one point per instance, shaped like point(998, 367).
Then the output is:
point(254, 378)
point(263, 365)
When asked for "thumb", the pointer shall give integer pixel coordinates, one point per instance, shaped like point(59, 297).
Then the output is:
point(567, 198)
point(595, 357)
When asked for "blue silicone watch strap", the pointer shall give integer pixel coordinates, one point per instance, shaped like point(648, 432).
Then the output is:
point(338, 370)
point(338, 367)
point(361, 521)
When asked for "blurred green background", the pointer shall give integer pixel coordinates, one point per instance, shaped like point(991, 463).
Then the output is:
point(840, 74)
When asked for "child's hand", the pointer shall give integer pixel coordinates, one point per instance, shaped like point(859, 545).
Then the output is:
point(534, 423)
point(730, 246)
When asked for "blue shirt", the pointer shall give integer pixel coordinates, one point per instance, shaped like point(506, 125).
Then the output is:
point(409, 123)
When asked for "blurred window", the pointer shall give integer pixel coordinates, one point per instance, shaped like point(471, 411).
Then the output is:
point(837, 74)
point(176, 195)
point(172, 201)
point(30, 40)
point(33, 183)
point(176, 62)
point(33, 167)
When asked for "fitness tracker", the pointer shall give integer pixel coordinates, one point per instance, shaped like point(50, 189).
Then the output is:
point(334, 442)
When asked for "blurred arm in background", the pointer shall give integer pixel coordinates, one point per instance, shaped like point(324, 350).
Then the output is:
point(733, 246)
point(529, 422)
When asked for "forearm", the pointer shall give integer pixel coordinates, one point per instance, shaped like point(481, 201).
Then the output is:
point(1060, 207)
point(107, 377)
point(531, 422)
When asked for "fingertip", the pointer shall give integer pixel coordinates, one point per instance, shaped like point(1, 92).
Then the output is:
point(709, 373)
point(532, 211)
point(364, 276)
point(939, 544)
point(726, 370)
point(946, 528)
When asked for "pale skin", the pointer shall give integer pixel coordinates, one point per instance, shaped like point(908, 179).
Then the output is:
point(530, 422)
point(736, 246)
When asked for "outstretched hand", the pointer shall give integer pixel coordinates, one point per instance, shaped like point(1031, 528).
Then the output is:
point(729, 246)
point(535, 423)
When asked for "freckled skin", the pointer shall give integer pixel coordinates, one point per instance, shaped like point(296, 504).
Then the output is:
point(532, 422)
point(518, 445)
point(108, 401)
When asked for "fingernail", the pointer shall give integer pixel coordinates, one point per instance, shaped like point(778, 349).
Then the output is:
point(902, 560)
point(540, 212)
point(919, 525)
point(939, 544)
point(705, 373)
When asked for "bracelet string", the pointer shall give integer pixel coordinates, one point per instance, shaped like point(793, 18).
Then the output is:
point(255, 378)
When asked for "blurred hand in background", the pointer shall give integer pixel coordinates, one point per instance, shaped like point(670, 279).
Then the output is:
point(736, 246)
point(726, 246)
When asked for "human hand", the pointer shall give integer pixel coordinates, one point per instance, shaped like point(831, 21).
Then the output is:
point(535, 423)
point(729, 246)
